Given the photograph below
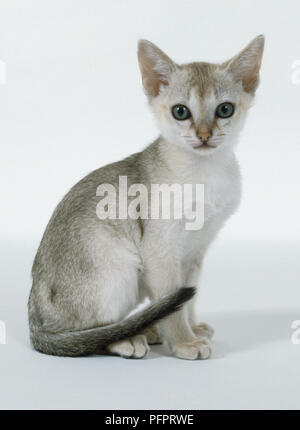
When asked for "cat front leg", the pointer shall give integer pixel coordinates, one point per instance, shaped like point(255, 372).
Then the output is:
point(163, 275)
point(192, 274)
point(153, 335)
point(182, 340)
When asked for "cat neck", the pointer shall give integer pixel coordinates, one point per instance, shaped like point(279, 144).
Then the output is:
point(165, 162)
point(177, 157)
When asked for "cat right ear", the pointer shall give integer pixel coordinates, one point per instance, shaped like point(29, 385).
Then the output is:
point(156, 67)
point(245, 66)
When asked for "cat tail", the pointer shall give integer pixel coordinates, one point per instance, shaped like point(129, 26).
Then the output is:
point(95, 340)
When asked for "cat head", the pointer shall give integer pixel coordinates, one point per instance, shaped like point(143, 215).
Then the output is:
point(200, 106)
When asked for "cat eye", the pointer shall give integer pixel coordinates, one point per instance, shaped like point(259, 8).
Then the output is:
point(181, 112)
point(225, 110)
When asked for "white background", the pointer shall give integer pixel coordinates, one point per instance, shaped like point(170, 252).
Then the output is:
point(73, 102)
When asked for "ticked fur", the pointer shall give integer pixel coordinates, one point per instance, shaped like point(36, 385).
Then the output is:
point(88, 273)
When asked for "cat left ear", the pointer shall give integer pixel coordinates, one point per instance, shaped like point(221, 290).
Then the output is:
point(156, 67)
point(246, 65)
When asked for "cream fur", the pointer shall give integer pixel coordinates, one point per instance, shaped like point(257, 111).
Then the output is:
point(90, 273)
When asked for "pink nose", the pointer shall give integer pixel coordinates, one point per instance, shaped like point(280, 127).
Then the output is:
point(204, 134)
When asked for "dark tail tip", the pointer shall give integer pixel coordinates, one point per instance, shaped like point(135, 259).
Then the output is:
point(183, 295)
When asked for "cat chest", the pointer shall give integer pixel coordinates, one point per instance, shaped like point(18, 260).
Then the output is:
point(218, 194)
point(217, 191)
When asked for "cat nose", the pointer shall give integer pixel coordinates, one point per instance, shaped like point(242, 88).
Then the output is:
point(204, 134)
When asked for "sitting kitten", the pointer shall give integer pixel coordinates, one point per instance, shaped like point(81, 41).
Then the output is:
point(88, 273)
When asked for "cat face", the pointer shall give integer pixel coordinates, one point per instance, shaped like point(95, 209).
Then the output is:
point(200, 106)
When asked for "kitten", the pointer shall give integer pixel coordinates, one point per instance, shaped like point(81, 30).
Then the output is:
point(88, 273)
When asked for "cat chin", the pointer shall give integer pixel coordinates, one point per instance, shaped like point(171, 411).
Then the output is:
point(203, 151)
point(206, 152)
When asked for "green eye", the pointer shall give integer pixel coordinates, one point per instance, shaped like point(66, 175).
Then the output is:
point(180, 112)
point(225, 110)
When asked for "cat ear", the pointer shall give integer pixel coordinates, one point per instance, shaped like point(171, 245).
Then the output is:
point(156, 67)
point(245, 66)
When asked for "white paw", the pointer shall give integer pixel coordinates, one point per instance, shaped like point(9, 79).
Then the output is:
point(194, 350)
point(135, 347)
point(203, 330)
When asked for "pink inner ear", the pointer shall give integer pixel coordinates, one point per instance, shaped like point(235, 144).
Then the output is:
point(155, 67)
point(152, 80)
point(153, 84)
point(250, 82)
point(247, 64)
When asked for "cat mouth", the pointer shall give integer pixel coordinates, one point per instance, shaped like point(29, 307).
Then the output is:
point(204, 146)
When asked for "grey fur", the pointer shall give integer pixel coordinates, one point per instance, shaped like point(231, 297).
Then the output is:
point(89, 273)
point(94, 340)
point(63, 264)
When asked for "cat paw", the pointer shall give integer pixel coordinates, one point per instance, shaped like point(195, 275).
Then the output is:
point(194, 350)
point(203, 330)
point(152, 335)
point(135, 347)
